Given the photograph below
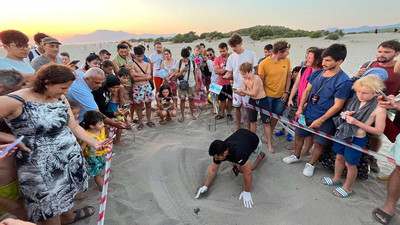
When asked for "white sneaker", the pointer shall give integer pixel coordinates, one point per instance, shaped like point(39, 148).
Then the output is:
point(290, 159)
point(308, 170)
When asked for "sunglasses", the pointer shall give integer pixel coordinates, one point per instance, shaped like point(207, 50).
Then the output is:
point(209, 54)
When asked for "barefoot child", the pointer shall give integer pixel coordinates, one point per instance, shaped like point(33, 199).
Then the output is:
point(96, 160)
point(356, 119)
point(166, 104)
point(253, 87)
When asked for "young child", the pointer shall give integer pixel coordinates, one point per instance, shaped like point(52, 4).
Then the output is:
point(166, 104)
point(253, 87)
point(108, 67)
point(360, 115)
point(75, 109)
point(112, 86)
point(96, 160)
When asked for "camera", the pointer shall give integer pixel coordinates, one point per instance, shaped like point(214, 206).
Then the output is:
point(167, 99)
point(314, 99)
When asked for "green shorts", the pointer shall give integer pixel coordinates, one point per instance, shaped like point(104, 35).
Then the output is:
point(190, 92)
point(10, 191)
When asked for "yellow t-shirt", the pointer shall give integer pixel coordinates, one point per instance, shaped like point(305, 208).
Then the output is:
point(89, 151)
point(275, 75)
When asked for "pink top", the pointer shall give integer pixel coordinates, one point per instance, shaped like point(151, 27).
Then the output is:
point(303, 83)
point(219, 61)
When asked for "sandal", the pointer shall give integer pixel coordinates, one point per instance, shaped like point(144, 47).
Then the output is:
point(329, 182)
point(230, 117)
point(218, 117)
point(86, 213)
point(140, 126)
point(162, 122)
point(383, 214)
point(150, 124)
point(341, 193)
point(180, 120)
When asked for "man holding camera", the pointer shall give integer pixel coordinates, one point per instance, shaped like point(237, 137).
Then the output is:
point(185, 71)
point(326, 92)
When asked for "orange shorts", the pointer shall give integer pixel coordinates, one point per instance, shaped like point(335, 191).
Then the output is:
point(158, 81)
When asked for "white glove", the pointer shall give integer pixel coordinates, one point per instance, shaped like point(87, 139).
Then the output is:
point(247, 200)
point(201, 191)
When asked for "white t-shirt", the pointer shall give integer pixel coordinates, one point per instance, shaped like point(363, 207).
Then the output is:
point(156, 59)
point(214, 76)
point(234, 62)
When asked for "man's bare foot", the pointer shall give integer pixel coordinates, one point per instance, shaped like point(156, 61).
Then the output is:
point(290, 147)
point(264, 140)
point(271, 149)
point(193, 117)
point(181, 119)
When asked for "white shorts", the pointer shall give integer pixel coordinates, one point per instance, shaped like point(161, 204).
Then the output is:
point(396, 150)
point(237, 100)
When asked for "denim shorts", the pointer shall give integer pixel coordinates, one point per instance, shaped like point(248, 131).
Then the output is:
point(327, 127)
point(276, 105)
point(351, 155)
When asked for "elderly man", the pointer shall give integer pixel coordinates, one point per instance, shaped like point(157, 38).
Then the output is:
point(17, 47)
point(243, 148)
point(51, 49)
point(81, 92)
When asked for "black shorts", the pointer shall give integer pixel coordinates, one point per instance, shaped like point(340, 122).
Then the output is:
point(260, 103)
point(227, 89)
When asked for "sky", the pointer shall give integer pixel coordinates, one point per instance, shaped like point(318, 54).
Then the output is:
point(63, 19)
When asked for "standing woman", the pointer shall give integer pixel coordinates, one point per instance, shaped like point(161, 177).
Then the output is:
point(168, 65)
point(54, 171)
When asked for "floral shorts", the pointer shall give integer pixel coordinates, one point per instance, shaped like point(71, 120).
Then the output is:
point(142, 93)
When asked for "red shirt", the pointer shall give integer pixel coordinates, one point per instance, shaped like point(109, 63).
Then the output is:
point(221, 63)
point(393, 82)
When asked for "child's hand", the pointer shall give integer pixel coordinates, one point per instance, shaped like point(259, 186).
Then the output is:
point(351, 120)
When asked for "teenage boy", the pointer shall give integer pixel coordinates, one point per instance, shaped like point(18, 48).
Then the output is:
point(267, 52)
point(237, 58)
point(35, 52)
point(185, 71)
point(156, 59)
point(253, 87)
point(326, 92)
point(360, 115)
point(141, 74)
point(220, 69)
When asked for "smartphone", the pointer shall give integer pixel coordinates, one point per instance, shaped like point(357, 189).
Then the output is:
point(302, 120)
point(126, 106)
point(380, 93)
point(187, 65)
point(74, 62)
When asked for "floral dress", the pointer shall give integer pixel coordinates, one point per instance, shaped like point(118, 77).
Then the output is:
point(54, 171)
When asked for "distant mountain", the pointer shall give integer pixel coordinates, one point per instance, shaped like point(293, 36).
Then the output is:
point(364, 28)
point(108, 36)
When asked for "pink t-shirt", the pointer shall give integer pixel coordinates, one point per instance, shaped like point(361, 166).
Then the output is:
point(303, 83)
point(221, 63)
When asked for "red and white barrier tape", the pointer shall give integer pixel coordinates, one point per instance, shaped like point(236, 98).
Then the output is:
point(322, 134)
point(103, 203)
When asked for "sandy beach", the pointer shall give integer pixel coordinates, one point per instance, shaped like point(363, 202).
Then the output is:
point(155, 178)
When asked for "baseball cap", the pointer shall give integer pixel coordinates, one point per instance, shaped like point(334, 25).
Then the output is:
point(48, 40)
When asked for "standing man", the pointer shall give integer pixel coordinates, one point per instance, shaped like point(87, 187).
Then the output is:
point(275, 73)
point(197, 54)
point(36, 51)
point(243, 148)
point(267, 52)
point(156, 58)
point(237, 58)
point(51, 49)
point(220, 69)
point(17, 47)
point(104, 55)
point(387, 51)
point(326, 92)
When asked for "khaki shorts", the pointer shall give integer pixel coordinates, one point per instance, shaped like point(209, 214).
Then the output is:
point(188, 92)
point(255, 153)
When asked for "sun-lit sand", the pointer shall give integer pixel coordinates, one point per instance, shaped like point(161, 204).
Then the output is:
point(155, 179)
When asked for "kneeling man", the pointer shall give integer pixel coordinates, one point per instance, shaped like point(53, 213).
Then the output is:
point(242, 148)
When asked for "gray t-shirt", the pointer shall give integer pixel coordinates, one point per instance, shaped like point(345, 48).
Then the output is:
point(41, 60)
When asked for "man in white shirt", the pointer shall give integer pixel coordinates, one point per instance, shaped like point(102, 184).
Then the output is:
point(236, 59)
point(156, 58)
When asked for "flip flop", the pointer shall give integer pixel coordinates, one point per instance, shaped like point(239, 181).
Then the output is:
point(218, 117)
point(342, 192)
point(230, 117)
point(150, 124)
point(387, 216)
point(180, 120)
point(262, 155)
point(85, 211)
point(329, 182)
point(140, 126)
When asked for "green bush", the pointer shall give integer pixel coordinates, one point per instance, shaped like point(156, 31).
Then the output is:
point(317, 34)
point(187, 38)
point(333, 36)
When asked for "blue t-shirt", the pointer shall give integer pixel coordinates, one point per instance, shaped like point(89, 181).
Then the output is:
point(82, 94)
point(339, 86)
point(7, 63)
point(194, 57)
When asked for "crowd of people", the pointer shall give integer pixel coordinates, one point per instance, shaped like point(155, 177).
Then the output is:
point(65, 111)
